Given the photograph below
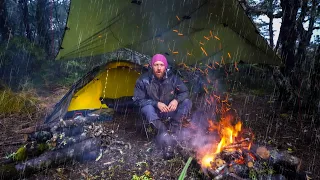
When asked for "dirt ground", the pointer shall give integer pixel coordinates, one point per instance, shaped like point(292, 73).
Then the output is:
point(283, 129)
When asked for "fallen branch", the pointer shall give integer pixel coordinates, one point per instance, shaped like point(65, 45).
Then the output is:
point(54, 126)
point(84, 150)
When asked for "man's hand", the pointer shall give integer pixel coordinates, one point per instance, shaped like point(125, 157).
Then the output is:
point(163, 107)
point(173, 105)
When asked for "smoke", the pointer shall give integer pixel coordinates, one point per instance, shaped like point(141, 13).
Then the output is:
point(199, 137)
point(195, 135)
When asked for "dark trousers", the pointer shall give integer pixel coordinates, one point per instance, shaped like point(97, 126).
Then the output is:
point(153, 114)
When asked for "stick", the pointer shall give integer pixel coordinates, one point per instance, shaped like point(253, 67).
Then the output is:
point(231, 146)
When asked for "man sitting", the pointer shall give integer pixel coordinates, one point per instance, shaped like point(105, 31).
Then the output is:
point(160, 94)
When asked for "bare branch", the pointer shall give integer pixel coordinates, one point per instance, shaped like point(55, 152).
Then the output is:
point(259, 9)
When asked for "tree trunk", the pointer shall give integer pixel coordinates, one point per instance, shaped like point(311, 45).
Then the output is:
point(315, 81)
point(271, 32)
point(288, 33)
point(270, 15)
point(4, 27)
point(317, 56)
point(305, 36)
point(25, 16)
point(43, 24)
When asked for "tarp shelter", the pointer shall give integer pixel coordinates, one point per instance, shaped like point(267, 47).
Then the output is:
point(193, 32)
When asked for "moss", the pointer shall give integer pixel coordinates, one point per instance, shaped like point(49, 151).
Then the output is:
point(42, 147)
point(21, 154)
point(8, 171)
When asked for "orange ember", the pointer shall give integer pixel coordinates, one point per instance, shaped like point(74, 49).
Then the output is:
point(204, 51)
point(217, 38)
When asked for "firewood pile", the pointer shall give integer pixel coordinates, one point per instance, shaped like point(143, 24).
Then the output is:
point(225, 150)
point(244, 160)
point(256, 163)
point(47, 145)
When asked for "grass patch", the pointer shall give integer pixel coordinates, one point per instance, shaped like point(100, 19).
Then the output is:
point(17, 102)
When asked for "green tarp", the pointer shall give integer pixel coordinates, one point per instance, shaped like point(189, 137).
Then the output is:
point(189, 31)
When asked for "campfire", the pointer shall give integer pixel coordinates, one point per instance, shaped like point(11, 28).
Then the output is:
point(235, 155)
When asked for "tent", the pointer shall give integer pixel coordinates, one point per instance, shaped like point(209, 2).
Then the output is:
point(194, 32)
point(107, 86)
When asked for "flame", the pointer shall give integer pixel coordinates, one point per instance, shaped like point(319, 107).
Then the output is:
point(220, 145)
point(207, 159)
point(228, 133)
point(229, 129)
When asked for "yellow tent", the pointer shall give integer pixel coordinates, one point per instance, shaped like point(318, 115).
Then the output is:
point(105, 83)
point(192, 32)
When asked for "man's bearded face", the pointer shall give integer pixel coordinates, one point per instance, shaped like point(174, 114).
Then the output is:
point(158, 69)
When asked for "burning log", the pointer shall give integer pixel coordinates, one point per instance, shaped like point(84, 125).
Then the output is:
point(244, 163)
point(236, 146)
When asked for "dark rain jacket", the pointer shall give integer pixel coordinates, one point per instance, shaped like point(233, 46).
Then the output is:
point(149, 90)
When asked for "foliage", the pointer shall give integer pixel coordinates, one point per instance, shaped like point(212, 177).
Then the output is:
point(24, 65)
point(19, 58)
point(19, 155)
point(24, 102)
point(185, 168)
point(146, 176)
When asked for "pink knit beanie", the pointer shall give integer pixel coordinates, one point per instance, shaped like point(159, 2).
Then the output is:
point(159, 57)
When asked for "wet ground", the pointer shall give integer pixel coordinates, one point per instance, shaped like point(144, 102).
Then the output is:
point(137, 156)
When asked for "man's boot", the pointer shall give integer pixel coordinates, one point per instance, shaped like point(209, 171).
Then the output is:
point(159, 125)
point(175, 127)
point(168, 152)
point(167, 145)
